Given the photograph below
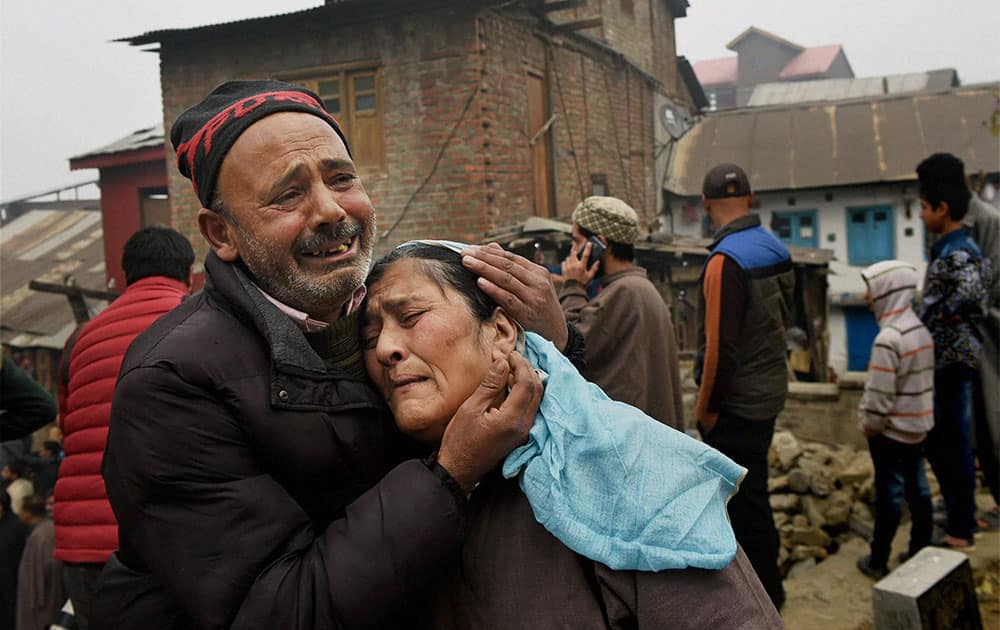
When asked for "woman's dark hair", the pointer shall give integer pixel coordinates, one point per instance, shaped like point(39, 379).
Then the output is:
point(942, 178)
point(157, 251)
point(444, 266)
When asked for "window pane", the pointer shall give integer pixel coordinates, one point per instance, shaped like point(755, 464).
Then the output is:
point(805, 221)
point(330, 86)
point(858, 217)
point(364, 83)
point(332, 105)
point(880, 216)
point(364, 103)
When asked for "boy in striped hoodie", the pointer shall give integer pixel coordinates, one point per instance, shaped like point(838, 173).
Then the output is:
point(897, 411)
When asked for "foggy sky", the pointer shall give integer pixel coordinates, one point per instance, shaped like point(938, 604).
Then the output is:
point(65, 89)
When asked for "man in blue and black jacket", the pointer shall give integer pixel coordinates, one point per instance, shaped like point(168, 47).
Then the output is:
point(747, 288)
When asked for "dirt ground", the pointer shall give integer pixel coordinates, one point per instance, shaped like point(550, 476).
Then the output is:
point(834, 595)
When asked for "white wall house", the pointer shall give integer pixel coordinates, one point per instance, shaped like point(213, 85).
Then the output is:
point(838, 176)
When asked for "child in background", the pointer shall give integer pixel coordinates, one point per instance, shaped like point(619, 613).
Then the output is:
point(897, 411)
point(955, 297)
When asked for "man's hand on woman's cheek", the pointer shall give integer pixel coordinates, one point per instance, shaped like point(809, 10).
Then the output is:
point(521, 287)
point(480, 435)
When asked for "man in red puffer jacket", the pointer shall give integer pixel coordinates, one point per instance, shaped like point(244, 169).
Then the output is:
point(157, 262)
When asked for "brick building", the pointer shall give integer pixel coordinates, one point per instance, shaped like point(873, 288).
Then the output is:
point(464, 115)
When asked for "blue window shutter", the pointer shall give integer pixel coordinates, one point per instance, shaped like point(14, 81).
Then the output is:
point(799, 228)
point(870, 235)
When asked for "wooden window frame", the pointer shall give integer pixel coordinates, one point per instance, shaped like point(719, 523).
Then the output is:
point(371, 158)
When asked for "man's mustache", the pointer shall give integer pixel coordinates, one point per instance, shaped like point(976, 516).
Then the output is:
point(329, 236)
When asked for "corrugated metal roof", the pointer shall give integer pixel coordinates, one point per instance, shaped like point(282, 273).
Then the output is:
point(512, 235)
point(779, 93)
point(141, 139)
point(753, 30)
point(46, 245)
point(150, 37)
point(330, 8)
point(720, 71)
point(811, 61)
point(839, 143)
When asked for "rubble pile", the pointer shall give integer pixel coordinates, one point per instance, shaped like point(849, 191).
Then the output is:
point(820, 495)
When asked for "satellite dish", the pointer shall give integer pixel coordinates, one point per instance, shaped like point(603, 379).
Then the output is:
point(673, 120)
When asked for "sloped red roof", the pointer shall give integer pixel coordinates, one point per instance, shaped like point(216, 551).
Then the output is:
point(810, 62)
point(717, 71)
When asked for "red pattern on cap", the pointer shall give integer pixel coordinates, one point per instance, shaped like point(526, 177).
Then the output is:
point(203, 137)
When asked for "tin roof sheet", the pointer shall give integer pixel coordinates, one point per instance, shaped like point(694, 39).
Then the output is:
point(720, 71)
point(141, 139)
point(788, 92)
point(839, 143)
point(811, 61)
point(46, 245)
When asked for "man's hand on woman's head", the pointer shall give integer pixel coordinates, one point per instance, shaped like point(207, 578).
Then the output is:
point(521, 287)
point(480, 435)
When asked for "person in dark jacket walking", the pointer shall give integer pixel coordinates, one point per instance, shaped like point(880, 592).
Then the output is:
point(157, 262)
point(256, 476)
point(24, 404)
point(13, 534)
point(45, 467)
point(747, 287)
point(39, 582)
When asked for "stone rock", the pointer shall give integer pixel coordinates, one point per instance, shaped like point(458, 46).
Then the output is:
point(810, 536)
point(810, 464)
point(861, 510)
point(934, 589)
point(780, 518)
point(784, 502)
point(814, 508)
point(838, 508)
point(861, 526)
point(777, 484)
point(786, 449)
point(856, 472)
point(820, 452)
point(798, 480)
point(800, 567)
point(782, 555)
point(800, 520)
point(801, 552)
point(821, 482)
point(866, 491)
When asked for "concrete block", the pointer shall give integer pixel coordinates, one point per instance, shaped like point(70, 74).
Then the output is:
point(932, 590)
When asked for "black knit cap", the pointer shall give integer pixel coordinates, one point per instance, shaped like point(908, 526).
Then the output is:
point(203, 135)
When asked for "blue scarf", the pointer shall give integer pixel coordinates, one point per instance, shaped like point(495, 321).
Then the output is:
point(617, 486)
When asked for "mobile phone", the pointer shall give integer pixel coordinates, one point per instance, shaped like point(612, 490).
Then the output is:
point(596, 249)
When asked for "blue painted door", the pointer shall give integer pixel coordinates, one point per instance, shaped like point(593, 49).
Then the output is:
point(861, 331)
point(797, 227)
point(870, 236)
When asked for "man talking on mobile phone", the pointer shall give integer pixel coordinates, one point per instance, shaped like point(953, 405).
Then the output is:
point(631, 348)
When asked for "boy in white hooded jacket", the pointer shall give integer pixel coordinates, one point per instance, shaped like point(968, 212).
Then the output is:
point(897, 411)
